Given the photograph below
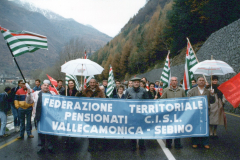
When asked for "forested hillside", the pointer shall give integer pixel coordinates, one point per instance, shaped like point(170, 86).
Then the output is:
point(163, 25)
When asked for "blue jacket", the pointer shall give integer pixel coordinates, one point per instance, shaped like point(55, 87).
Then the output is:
point(37, 88)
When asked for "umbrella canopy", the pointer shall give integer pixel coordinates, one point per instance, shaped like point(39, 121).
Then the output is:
point(81, 67)
point(212, 67)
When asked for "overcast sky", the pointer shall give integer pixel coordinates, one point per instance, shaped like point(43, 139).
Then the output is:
point(107, 16)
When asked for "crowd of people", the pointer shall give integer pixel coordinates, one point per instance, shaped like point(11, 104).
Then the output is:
point(26, 103)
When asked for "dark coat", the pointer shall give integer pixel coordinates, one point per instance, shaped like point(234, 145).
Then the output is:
point(74, 91)
point(98, 93)
point(117, 96)
point(151, 96)
point(39, 107)
point(4, 103)
point(12, 94)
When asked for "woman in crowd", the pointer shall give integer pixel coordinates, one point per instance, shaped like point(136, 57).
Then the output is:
point(152, 93)
point(71, 90)
point(143, 85)
point(216, 116)
point(120, 92)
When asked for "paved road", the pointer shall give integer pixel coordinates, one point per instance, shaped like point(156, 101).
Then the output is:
point(224, 148)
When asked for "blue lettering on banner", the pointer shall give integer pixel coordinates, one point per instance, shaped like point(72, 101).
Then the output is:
point(124, 118)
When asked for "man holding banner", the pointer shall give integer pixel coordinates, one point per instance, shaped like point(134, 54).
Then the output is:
point(173, 92)
point(36, 98)
point(200, 90)
point(93, 90)
point(136, 92)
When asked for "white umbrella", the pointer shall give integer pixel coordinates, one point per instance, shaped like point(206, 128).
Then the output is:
point(82, 67)
point(212, 67)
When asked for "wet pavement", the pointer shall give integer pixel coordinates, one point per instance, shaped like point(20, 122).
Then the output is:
point(224, 148)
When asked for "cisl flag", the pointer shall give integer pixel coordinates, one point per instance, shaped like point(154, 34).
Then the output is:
point(231, 91)
point(53, 81)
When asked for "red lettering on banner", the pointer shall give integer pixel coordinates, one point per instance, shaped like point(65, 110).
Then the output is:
point(231, 90)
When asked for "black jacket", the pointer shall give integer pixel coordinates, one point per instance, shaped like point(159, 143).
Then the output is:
point(74, 91)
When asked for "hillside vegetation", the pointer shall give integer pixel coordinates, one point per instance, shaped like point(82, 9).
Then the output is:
point(163, 25)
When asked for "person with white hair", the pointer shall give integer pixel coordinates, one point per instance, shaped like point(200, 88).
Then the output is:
point(36, 98)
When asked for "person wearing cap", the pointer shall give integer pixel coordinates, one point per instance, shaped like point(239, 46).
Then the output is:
point(136, 92)
point(36, 98)
point(24, 110)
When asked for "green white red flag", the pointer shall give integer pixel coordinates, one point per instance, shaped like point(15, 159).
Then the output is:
point(189, 63)
point(21, 42)
point(166, 73)
point(110, 86)
point(85, 54)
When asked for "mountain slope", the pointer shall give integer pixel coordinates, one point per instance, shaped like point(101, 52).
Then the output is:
point(139, 45)
point(69, 28)
point(58, 31)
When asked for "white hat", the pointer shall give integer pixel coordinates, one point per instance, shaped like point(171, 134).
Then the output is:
point(46, 81)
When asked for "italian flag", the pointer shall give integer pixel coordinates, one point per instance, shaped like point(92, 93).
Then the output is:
point(166, 73)
point(189, 63)
point(21, 42)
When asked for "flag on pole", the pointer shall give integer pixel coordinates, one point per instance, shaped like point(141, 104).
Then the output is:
point(69, 76)
point(166, 73)
point(53, 81)
point(189, 63)
point(21, 42)
point(86, 81)
point(85, 55)
point(110, 86)
point(86, 78)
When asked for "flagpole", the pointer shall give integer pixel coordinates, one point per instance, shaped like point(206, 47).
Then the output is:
point(161, 75)
point(16, 63)
point(82, 76)
point(195, 56)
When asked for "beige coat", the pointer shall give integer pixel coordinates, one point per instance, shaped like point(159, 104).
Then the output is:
point(216, 112)
point(195, 92)
point(170, 93)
